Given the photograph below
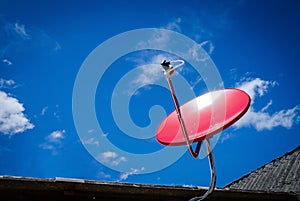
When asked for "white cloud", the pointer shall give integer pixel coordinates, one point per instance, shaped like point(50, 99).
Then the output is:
point(150, 72)
point(56, 136)
point(125, 175)
point(112, 158)
point(53, 141)
point(6, 61)
point(12, 118)
point(261, 119)
point(255, 87)
point(6, 83)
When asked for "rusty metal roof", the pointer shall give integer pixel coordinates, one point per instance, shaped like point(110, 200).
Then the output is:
point(280, 175)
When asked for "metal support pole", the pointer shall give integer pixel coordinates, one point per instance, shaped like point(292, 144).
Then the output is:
point(169, 72)
point(213, 175)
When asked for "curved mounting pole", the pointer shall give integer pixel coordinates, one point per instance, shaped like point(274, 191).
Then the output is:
point(169, 72)
point(213, 176)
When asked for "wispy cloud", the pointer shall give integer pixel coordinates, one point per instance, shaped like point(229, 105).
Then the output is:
point(7, 62)
point(91, 141)
point(125, 175)
point(212, 20)
point(56, 136)
point(20, 30)
point(174, 25)
point(103, 175)
point(4, 149)
point(112, 158)
point(226, 136)
point(267, 106)
point(261, 119)
point(150, 71)
point(200, 52)
point(57, 46)
point(56, 113)
point(160, 39)
point(195, 83)
point(208, 46)
point(54, 141)
point(12, 118)
point(255, 87)
point(43, 112)
point(52, 111)
point(6, 83)
point(14, 34)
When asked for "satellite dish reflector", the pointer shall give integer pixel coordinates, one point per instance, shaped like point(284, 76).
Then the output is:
point(200, 118)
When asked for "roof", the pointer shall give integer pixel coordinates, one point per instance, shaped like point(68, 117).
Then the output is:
point(31, 189)
point(280, 175)
point(276, 180)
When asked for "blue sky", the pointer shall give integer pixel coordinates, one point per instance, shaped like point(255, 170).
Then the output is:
point(253, 44)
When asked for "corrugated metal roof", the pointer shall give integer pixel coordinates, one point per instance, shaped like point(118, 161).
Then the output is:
point(280, 175)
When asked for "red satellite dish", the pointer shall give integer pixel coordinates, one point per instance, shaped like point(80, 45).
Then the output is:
point(200, 118)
